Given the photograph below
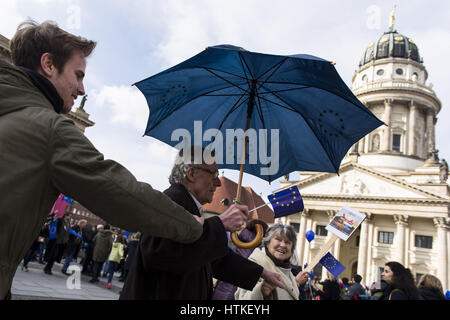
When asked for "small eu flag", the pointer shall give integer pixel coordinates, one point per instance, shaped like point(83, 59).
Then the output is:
point(286, 202)
point(332, 265)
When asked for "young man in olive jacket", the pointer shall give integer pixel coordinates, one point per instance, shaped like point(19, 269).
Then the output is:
point(43, 154)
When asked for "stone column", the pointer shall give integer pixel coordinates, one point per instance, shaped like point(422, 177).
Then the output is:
point(301, 237)
point(386, 139)
point(361, 144)
point(412, 148)
point(430, 130)
point(442, 250)
point(363, 247)
point(401, 221)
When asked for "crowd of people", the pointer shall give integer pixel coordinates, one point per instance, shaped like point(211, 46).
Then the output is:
point(99, 250)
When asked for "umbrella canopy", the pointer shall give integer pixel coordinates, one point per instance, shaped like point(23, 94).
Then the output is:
point(303, 115)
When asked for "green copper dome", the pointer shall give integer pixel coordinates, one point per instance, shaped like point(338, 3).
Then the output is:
point(391, 44)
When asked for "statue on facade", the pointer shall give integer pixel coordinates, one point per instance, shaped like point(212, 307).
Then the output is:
point(443, 171)
point(286, 177)
point(83, 101)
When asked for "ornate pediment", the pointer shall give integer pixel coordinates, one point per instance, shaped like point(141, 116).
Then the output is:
point(357, 180)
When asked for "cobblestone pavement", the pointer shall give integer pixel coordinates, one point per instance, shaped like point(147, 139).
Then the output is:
point(36, 285)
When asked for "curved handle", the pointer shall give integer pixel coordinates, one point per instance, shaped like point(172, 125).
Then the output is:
point(248, 245)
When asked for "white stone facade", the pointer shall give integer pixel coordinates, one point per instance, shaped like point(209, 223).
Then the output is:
point(392, 175)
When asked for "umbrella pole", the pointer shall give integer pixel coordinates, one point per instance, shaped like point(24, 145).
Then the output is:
point(241, 172)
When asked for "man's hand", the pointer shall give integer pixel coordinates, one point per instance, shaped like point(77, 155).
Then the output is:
point(201, 220)
point(272, 278)
point(266, 288)
point(302, 277)
point(234, 217)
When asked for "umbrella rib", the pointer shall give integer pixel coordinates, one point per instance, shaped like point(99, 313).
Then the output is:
point(222, 78)
point(318, 87)
point(233, 108)
point(193, 98)
point(275, 67)
point(241, 59)
point(284, 90)
point(323, 147)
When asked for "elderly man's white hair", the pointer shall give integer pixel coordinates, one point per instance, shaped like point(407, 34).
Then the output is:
point(189, 157)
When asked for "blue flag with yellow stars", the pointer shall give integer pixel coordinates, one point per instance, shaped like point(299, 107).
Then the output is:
point(332, 264)
point(286, 202)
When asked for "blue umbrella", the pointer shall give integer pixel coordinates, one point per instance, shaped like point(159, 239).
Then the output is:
point(226, 87)
point(300, 101)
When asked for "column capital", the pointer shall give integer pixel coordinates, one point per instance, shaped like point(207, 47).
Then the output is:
point(441, 222)
point(401, 219)
point(306, 212)
point(369, 217)
point(388, 101)
point(331, 213)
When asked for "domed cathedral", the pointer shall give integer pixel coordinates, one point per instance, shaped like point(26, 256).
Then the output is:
point(393, 175)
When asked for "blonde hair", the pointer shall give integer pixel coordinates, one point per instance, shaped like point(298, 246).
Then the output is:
point(82, 221)
point(430, 281)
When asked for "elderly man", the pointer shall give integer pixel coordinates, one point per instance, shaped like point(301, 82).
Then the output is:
point(164, 269)
point(43, 154)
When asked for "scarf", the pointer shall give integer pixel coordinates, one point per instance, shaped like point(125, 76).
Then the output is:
point(46, 87)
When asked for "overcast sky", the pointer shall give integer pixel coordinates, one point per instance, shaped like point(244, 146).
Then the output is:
point(137, 39)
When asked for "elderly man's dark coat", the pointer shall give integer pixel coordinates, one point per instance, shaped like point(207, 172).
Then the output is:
point(164, 269)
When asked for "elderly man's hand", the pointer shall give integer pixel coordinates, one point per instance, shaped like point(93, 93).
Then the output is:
point(272, 278)
point(234, 217)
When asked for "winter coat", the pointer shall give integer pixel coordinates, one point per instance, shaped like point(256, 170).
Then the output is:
point(290, 293)
point(164, 269)
point(225, 290)
point(116, 252)
point(103, 242)
point(356, 289)
point(428, 293)
point(130, 253)
point(44, 154)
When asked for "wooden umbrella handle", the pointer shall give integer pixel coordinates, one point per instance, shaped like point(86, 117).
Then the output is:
point(248, 245)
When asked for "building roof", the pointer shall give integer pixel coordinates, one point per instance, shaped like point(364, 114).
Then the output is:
point(249, 198)
point(391, 44)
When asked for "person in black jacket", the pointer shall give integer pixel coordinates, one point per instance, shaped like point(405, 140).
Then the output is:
point(164, 269)
point(130, 252)
point(430, 288)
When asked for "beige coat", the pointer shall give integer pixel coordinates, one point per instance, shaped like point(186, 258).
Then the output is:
point(43, 154)
point(290, 293)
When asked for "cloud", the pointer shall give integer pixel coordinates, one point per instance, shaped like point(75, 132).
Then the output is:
point(10, 17)
point(123, 105)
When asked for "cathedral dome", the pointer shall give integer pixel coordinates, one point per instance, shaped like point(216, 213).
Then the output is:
point(391, 44)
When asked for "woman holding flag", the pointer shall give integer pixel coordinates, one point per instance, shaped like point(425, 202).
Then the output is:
point(275, 254)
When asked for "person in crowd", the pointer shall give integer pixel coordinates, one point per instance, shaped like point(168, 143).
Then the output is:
point(103, 241)
point(114, 258)
point(400, 281)
point(74, 244)
point(57, 246)
point(36, 248)
point(344, 284)
point(275, 254)
point(39, 143)
point(164, 269)
point(430, 288)
point(88, 235)
point(329, 290)
point(130, 252)
point(225, 290)
point(356, 289)
point(43, 239)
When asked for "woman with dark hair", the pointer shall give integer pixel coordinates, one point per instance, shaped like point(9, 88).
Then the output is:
point(400, 281)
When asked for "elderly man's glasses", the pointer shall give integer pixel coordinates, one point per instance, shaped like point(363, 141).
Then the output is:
point(215, 173)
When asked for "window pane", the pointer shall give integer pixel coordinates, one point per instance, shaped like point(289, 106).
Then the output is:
point(396, 142)
point(385, 237)
point(424, 242)
point(296, 226)
point(321, 231)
